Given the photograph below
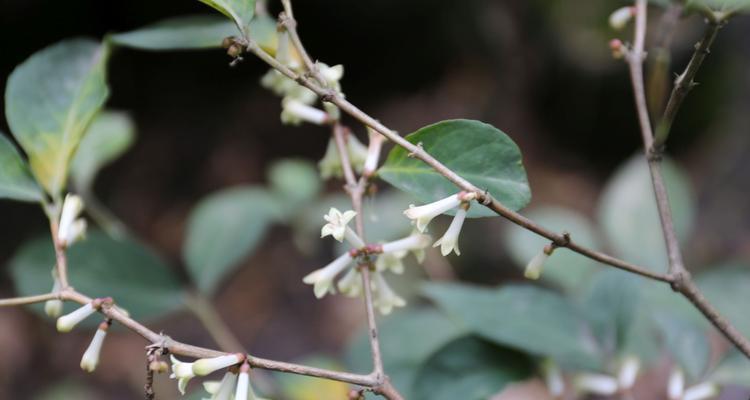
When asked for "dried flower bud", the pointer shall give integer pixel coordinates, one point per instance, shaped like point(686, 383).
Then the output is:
point(617, 48)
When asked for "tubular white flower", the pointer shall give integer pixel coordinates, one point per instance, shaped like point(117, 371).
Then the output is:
point(424, 214)
point(449, 241)
point(67, 322)
point(676, 385)
point(322, 279)
point(90, 358)
point(183, 372)
point(337, 227)
point(222, 390)
point(54, 308)
point(535, 267)
point(620, 17)
point(351, 284)
point(373, 151)
point(702, 391)
point(70, 229)
point(391, 261)
point(628, 373)
point(553, 378)
point(604, 385)
point(205, 366)
point(410, 243)
point(385, 298)
point(332, 75)
point(243, 384)
point(295, 111)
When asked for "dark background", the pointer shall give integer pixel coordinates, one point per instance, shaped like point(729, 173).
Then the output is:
point(539, 70)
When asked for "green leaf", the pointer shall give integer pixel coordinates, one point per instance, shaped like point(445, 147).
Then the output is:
point(687, 343)
point(628, 214)
point(223, 229)
point(407, 339)
point(239, 11)
point(16, 181)
point(524, 317)
point(107, 138)
point(732, 370)
point(50, 100)
point(476, 151)
point(100, 266)
point(294, 182)
point(610, 303)
point(723, 6)
point(469, 369)
point(568, 269)
point(179, 33)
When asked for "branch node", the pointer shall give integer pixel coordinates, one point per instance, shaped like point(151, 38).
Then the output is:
point(679, 280)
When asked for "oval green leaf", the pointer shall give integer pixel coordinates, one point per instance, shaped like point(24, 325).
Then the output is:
point(239, 11)
point(178, 33)
point(50, 100)
point(109, 135)
point(16, 181)
point(100, 266)
point(476, 151)
point(628, 214)
point(223, 229)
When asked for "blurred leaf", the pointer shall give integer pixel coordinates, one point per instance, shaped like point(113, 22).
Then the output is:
point(50, 100)
point(726, 288)
point(295, 182)
point(407, 339)
point(610, 303)
point(16, 181)
point(239, 11)
point(469, 369)
point(107, 138)
point(67, 389)
point(524, 317)
point(732, 370)
point(566, 268)
point(300, 387)
point(179, 33)
point(628, 214)
point(720, 5)
point(100, 266)
point(476, 151)
point(687, 343)
point(223, 229)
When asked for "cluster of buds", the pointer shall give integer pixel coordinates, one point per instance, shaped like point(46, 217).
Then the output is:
point(233, 385)
point(389, 256)
point(606, 385)
point(422, 215)
point(70, 227)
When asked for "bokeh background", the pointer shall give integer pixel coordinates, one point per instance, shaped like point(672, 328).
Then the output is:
point(541, 71)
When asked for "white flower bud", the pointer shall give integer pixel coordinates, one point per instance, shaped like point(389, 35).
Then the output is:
point(67, 322)
point(676, 386)
point(603, 385)
point(295, 112)
point(620, 17)
point(243, 383)
point(628, 373)
point(535, 267)
point(90, 358)
point(54, 308)
point(702, 391)
point(553, 378)
point(205, 366)
point(70, 229)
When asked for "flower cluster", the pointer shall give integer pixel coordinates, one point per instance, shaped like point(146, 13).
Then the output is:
point(233, 385)
point(606, 385)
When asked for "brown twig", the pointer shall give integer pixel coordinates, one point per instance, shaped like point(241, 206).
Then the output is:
point(679, 277)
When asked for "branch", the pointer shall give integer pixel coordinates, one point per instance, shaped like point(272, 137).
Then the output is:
point(684, 83)
point(21, 301)
point(678, 275)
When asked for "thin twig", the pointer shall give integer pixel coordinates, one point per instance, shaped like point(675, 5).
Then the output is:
point(684, 83)
point(20, 301)
point(678, 275)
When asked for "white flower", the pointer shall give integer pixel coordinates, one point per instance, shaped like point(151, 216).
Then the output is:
point(205, 366)
point(67, 322)
point(676, 386)
point(351, 284)
point(183, 372)
point(620, 17)
point(385, 298)
point(222, 390)
point(54, 308)
point(603, 385)
point(90, 358)
point(702, 391)
point(337, 227)
point(322, 279)
point(553, 378)
point(391, 261)
point(373, 151)
point(424, 214)
point(332, 75)
point(449, 241)
point(330, 164)
point(71, 229)
point(294, 112)
point(244, 390)
point(535, 267)
point(628, 373)
point(412, 242)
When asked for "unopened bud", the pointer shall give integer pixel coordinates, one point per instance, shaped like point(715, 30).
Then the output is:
point(620, 17)
point(228, 41)
point(159, 367)
point(616, 46)
point(234, 50)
